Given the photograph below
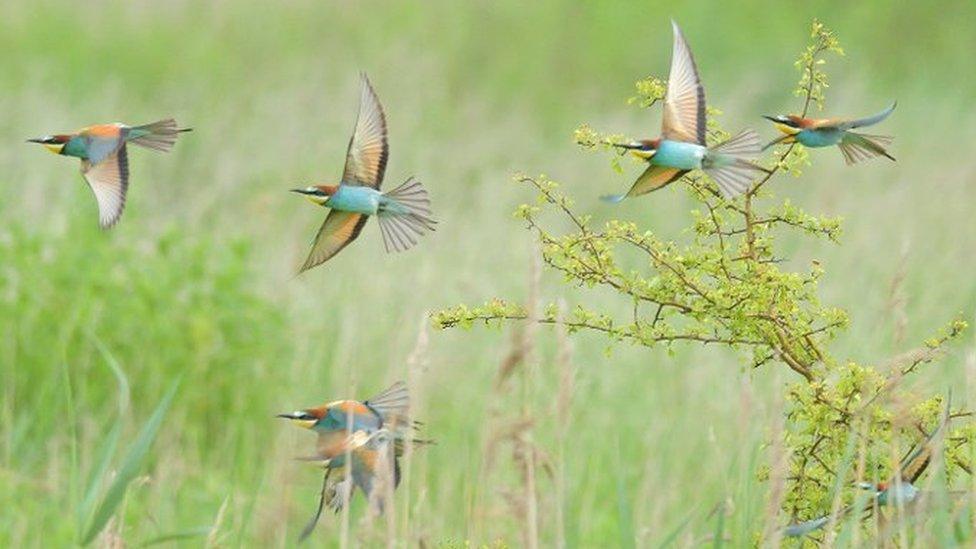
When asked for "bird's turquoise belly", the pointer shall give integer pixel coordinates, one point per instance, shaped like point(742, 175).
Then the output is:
point(363, 200)
point(677, 154)
point(819, 138)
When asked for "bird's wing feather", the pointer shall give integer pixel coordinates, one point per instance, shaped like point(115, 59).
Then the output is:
point(331, 445)
point(109, 181)
point(368, 148)
point(857, 147)
point(392, 405)
point(654, 178)
point(374, 466)
point(870, 120)
point(339, 229)
point(684, 103)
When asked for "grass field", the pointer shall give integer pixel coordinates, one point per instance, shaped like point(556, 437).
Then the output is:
point(197, 281)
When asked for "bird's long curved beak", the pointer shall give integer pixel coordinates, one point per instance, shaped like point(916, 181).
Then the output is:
point(36, 140)
point(299, 191)
point(772, 118)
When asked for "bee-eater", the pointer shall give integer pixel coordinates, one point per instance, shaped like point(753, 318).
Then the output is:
point(899, 490)
point(403, 213)
point(370, 432)
point(681, 146)
point(826, 132)
point(104, 158)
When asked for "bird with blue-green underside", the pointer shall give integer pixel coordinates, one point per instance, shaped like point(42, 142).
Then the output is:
point(897, 491)
point(403, 213)
point(681, 147)
point(827, 132)
point(105, 158)
point(359, 445)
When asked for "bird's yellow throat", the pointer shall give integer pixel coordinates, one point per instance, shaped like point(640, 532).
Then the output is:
point(54, 147)
point(787, 129)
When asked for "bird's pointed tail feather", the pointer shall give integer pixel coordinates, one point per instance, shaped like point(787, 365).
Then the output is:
point(408, 217)
point(158, 136)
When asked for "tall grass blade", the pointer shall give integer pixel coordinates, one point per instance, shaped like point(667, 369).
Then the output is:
point(97, 474)
point(200, 532)
point(87, 505)
point(130, 467)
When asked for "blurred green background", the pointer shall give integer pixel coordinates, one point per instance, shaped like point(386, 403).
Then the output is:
point(198, 278)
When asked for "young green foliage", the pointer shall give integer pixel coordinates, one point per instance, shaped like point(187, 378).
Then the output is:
point(724, 284)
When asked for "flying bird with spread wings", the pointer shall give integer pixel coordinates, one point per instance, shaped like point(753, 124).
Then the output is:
point(900, 490)
point(359, 445)
point(827, 132)
point(105, 158)
point(403, 213)
point(681, 146)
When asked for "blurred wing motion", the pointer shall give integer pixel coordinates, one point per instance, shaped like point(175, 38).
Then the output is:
point(339, 229)
point(375, 469)
point(731, 164)
point(857, 147)
point(368, 148)
point(684, 103)
point(393, 405)
point(109, 181)
point(408, 218)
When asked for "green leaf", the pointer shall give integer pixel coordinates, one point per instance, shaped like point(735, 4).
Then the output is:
point(130, 467)
point(97, 475)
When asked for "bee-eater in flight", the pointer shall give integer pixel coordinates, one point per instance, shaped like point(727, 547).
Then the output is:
point(361, 441)
point(899, 490)
point(826, 132)
point(403, 213)
point(681, 146)
point(105, 160)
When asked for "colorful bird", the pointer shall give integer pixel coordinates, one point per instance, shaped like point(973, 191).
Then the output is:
point(825, 132)
point(104, 158)
point(360, 441)
point(403, 213)
point(681, 147)
point(900, 490)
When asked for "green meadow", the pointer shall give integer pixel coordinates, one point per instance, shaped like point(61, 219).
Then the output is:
point(197, 283)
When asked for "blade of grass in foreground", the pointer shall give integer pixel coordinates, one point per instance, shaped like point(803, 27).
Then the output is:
point(200, 532)
point(87, 503)
point(130, 467)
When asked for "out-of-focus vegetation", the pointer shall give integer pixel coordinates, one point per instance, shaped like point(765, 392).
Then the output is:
point(198, 278)
point(722, 285)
